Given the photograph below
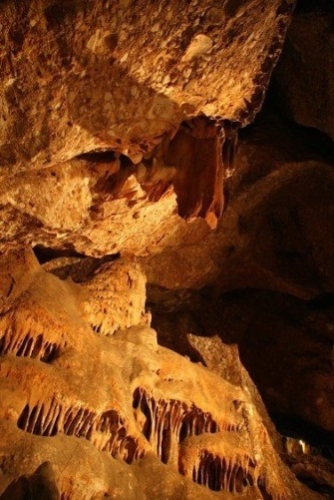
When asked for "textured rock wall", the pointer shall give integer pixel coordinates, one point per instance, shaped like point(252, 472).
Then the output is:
point(88, 403)
point(119, 75)
point(159, 241)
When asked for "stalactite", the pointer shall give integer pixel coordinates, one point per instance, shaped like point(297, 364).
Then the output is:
point(38, 421)
point(221, 473)
point(28, 345)
point(229, 134)
point(203, 153)
point(195, 153)
point(107, 431)
point(167, 423)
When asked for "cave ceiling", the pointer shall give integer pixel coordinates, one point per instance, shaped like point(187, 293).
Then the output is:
point(166, 249)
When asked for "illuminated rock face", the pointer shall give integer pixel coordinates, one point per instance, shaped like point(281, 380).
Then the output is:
point(88, 404)
point(157, 246)
point(119, 75)
point(119, 78)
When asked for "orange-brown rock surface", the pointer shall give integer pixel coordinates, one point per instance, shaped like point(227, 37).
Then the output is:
point(121, 77)
point(166, 270)
point(89, 404)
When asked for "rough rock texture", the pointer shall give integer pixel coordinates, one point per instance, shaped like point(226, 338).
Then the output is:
point(285, 343)
point(163, 239)
point(304, 74)
point(274, 233)
point(67, 393)
point(94, 207)
point(119, 75)
point(108, 81)
point(275, 333)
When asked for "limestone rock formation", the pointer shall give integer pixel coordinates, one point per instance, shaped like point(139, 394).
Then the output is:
point(274, 233)
point(106, 81)
point(166, 250)
point(119, 75)
point(74, 395)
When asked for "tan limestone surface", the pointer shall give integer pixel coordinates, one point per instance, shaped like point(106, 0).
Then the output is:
point(103, 408)
point(119, 123)
point(119, 75)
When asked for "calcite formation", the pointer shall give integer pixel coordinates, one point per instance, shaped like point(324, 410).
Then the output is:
point(121, 77)
point(166, 270)
point(123, 395)
point(203, 154)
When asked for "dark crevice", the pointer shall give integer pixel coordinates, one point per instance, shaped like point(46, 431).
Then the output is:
point(45, 254)
point(324, 7)
point(297, 428)
point(79, 269)
point(311, 143)
point(262, 487)
point(104, 156)
point(323, 302)
point(218, 473)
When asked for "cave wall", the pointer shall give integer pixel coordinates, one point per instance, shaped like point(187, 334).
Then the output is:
point(166, 271)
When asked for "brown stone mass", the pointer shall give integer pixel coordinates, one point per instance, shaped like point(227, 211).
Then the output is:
point(166, 249)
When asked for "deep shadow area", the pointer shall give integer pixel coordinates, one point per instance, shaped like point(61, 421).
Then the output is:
point(325, 7)
point(45, 254)
point(309, 143)
point(297, 428)
point(284, 343)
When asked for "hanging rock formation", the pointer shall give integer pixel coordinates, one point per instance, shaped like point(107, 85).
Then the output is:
point(107, 81)
point(166, 250)
point(122, 397)
point(203, 153)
